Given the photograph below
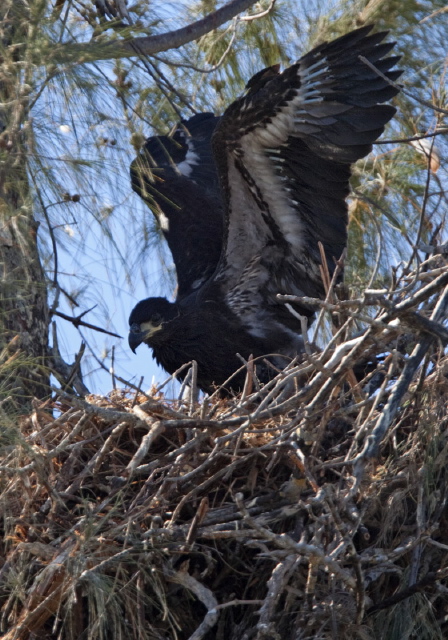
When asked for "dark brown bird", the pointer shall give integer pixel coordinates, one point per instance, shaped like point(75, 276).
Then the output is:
point(244, 200)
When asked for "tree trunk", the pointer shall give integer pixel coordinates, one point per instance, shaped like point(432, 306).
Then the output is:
point(24, 316)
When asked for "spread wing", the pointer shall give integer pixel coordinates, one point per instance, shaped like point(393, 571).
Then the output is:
point(283, 153)
point(176, 176)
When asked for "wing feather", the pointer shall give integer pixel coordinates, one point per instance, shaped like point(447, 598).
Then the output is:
point(176, 176)
point(283, 153)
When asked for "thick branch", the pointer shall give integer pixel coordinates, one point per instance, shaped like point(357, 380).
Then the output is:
point(149, 45)
point(203, 594)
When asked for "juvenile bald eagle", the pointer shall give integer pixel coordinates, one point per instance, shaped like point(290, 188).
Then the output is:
point(243, 201)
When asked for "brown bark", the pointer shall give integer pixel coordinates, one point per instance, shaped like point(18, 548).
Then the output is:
point(24, 317)
point(24, 310)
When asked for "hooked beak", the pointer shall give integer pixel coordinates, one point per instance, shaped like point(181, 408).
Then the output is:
point(136, 336)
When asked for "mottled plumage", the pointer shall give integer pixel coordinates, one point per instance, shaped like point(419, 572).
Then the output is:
point(247, 197)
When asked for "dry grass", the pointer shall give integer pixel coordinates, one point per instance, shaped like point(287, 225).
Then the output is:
point(314, 507)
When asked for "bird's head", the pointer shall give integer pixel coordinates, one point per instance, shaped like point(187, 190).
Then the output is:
point(147, 320)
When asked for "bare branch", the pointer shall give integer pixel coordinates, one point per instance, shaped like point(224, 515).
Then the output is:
point(437, 132)
point(82, 53)
point(78, 322)
point(372, 444)
point(203, 594)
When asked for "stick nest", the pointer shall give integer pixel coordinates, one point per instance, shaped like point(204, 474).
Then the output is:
point(311, 508)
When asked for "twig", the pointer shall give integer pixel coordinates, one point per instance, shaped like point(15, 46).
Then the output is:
point(400, 87)
point(68, 375)
point(423, 210)
point(429, 579)
point(260, 14)
point(137, 391)
point(301, 548)
point(413, 138)
point(193, 388)
point(197, 520)
point(112, 368)
point(372, 444)
point(78, 322)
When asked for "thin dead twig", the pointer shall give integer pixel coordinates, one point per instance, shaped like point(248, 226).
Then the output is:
point(400, 87)
point(372, 444)
point(77, 322)
point(300, 548)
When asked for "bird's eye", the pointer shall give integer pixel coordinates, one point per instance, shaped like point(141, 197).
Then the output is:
point(156, 319)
